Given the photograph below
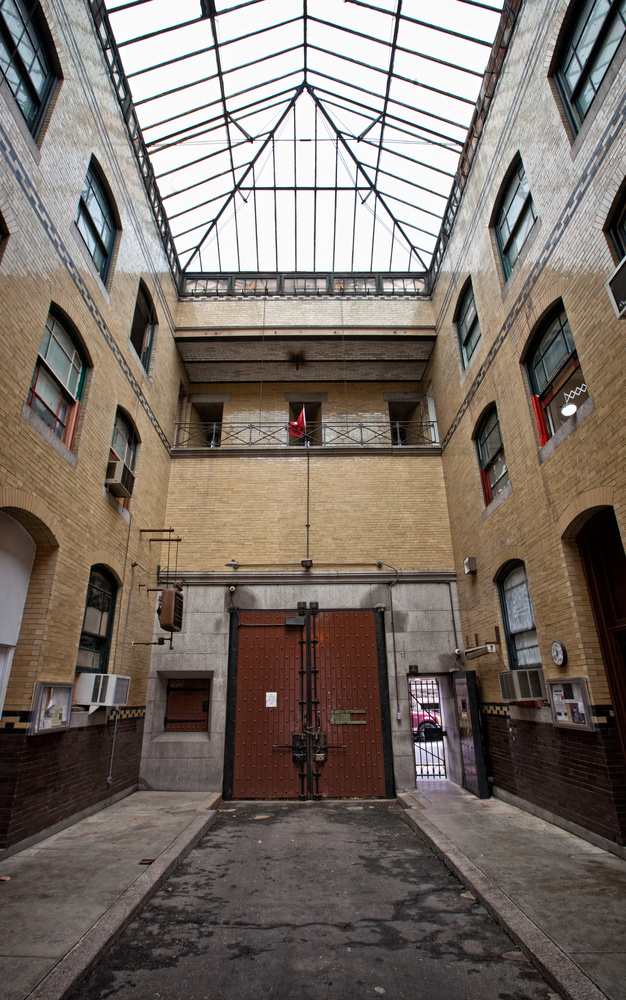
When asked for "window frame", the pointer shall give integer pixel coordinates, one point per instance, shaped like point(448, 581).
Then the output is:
point(131, 440)
point(66, 397)
point(34, 27)
point(507, 241)
point(487, 460)
point(546, 389)
point(616, 227)
point(143, 327)
point(104, 649)
point(568, 52)
point(101, 250)
point(465, 331)
point(509, 632)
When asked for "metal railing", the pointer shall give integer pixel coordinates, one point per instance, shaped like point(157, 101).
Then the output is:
point(327, 434)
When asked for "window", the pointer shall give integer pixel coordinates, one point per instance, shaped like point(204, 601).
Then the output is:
point(617, 227)
point(519, 622)
point(556, 378)
point(587, 53)
point(515, 218)
point(96, 222)
point(95, 638)
point(491, 457)
point(187, 706)
point(58, 380)
point(142, 330)
point(25, 60)
point(405, 422)
point(125, 441)
point(313, 418)
point(209, 429)
point(467, 325)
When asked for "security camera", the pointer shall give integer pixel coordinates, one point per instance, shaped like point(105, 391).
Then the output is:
point(232, 588)
point(457, 652)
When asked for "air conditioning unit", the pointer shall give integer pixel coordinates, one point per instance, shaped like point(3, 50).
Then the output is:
point(523, 685)
point(171, 613)
point(119, 479)
point(616, 287)
point(102, 690)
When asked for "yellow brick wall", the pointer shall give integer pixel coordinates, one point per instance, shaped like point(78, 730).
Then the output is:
point(566, 256)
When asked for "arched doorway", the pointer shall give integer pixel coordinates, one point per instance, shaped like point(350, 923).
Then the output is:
point(17, 553)
point(604, 563)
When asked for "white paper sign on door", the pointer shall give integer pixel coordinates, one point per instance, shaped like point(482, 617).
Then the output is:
point(271, 700)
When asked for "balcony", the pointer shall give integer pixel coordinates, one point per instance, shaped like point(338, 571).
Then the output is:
point(328, 436)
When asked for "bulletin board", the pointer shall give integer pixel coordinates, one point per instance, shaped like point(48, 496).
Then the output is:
point(569, 703)
point(52, 705)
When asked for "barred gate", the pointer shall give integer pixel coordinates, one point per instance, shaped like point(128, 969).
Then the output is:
point(426, 728)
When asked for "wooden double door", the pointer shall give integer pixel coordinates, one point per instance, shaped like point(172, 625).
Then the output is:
point(308, 705)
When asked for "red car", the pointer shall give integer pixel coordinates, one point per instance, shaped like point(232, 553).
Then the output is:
point(424, 718)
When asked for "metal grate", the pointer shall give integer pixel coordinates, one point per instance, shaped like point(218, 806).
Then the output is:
point(426, 727)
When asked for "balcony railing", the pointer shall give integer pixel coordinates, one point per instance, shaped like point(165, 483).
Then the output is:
point(327, 434)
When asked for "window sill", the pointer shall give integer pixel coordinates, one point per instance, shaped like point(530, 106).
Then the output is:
point(41, 427)
point(198, 737)
point(568, 428)
point(499, 500)
point(112, 502)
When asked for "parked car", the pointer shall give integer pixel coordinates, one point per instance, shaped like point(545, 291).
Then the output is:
point(424, 718)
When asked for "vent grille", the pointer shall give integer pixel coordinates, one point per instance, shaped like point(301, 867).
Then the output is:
point(523, 685)
point(119, 479)
point(171, 617)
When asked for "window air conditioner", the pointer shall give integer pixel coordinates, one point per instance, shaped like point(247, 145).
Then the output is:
point(616, 287)
point(102, 690)
point(523, 685)
point(171, 612)
point(119, 479)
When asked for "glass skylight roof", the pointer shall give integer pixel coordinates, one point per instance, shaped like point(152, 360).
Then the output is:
point(304, 135)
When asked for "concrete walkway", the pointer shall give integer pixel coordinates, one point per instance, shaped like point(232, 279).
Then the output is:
point(561, 898)
point(68, 896)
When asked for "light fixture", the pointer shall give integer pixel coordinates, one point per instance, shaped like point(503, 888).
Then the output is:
point(233, 564)
point(568, 410)
point(306, 563)
point(469, 564)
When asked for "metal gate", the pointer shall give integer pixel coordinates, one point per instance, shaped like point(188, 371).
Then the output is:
point(426, 727)
point(307, 713)
point(474, 772)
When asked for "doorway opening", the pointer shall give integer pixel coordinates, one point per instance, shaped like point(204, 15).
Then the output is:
point(426, 728)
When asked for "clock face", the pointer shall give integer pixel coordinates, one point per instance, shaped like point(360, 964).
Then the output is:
point(559, 653)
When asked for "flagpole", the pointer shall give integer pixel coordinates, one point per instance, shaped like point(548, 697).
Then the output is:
point(308, 455)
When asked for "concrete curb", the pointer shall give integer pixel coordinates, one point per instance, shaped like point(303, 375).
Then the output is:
point(559, 970)
point(77, 963)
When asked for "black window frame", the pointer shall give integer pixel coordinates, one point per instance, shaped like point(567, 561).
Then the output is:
point(33, 28)
point(507, 242)
point(571, 96)
point(98, 644)
point(488, 457)
point(99, 249)
point(121, 424)
point(617, 225)
point(468, 330)
point(143, 326)
point(509, 631)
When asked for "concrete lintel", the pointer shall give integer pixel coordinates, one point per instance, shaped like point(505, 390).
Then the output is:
point(284, 451)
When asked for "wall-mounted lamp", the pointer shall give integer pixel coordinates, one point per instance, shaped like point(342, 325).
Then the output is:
point(469, 564)
point(233, 564)
point(306, 563)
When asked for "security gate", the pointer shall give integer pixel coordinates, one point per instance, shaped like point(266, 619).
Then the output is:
point(307, 712)
point(426, 728)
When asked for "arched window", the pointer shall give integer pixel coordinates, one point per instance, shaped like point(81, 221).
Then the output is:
point(617, 226)
point(95, 639)
point(491, 457)
point(556, 378)
point(26, 62)
point(144, 323)
point(586, 55)
point(467, 324)
point(515, 218)
point(519, 621)
point(58, 380)
point(96, 221)
point(125, 440)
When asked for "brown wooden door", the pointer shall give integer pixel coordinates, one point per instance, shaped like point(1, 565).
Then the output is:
point(604, 563)
point(283, 688)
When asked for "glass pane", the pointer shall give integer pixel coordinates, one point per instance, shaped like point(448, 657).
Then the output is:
point(517, 599)
point(527, 649)
point(95, 621)
point(572, 393)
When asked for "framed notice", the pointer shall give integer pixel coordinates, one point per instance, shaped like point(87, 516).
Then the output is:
point(52, 705)
point(569, 702)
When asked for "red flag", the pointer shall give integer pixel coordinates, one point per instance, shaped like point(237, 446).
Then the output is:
point(298, 427)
